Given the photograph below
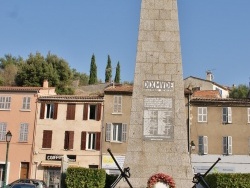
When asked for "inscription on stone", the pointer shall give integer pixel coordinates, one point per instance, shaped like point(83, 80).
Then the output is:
point(158, 119)
point(157, 85)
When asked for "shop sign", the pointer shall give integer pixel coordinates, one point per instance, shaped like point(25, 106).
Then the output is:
point(54, 157)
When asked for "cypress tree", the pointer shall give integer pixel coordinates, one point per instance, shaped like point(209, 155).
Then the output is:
point(93, 71)
point(108, 71)
point(117, 73)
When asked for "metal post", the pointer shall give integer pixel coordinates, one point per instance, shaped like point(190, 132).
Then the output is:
point(6, 166)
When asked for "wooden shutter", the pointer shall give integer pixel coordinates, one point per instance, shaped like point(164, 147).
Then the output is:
point(83, 141)
point(71, 111)
point(47, 139)
point(205, 143)
point(85, 111)
point(124, 132)
point(230, 145)
point(42, 110)
point(71, 139)
point(108, 131)
point(229, 115)
point(55, 110)
point(225, 146)
point(99, 110)
point(66, 140)
point(224, 114)
point(201, 145)
point(98, 141)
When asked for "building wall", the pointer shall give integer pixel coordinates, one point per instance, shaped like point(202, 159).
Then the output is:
point(215, 130)
point(118, 149)
point(18, 151)
point(84, 158)
point(192, 82)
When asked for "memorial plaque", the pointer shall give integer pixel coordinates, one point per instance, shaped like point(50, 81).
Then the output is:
point(158, 119)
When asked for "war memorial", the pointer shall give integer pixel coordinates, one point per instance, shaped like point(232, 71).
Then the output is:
point(157, 142)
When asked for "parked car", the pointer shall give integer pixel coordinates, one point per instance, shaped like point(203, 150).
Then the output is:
point(37, 183)
point(23, 185)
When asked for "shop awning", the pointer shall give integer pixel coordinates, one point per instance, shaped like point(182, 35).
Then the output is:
point(57, 163)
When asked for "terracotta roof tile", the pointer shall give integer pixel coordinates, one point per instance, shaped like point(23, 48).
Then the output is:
point(15, 88)
point(119, 88)
point(212, 94)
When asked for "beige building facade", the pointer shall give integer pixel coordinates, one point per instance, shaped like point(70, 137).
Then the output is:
point(18, 107)
point(69, 128)
point(220, 128)
point(117, 107)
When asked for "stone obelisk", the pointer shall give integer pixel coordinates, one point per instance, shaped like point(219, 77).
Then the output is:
point(157, 140)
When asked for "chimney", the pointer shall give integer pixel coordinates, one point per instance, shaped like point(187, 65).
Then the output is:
point(45, 84)
point(209, 76)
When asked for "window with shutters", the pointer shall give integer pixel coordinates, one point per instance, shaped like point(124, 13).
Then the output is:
point(26, 103)
point(23, 135)
point(5, 103)
point(47, 139)
point(117, 104)
point(92, 111)
point(3, 131)
point(90, 141)
point(48, 110)
point(71, 108)
point(69, 140)
point(248, 115)
point(116, 132)
point(203, 145)
point(227, 145)
point(202, 114)
point(226, 115)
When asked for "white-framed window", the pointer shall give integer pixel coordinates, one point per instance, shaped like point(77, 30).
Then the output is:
point(26, 103)
point(227, 145)
point(117, 108)
point(203, 145)
point(202, 114)
point(248, 115)
point(116, 132)
point(226, 115)
point(23, 135)
point(91, 141)
point(3, 130)
point(5, 103)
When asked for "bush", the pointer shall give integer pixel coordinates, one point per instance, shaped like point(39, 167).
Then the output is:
point(220, 180)
point(85, 178)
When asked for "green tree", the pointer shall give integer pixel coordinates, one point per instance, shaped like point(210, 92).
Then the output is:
point(240, 91)
point(82, 78)
point(8, 74)
point(37, 68)
point(117, 73)
point(108, 71)
point(93, 71)
point(9, 59)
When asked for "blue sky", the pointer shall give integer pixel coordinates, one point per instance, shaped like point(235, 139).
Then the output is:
point(215, 34)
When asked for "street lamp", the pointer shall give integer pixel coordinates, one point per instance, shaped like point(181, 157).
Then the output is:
point(8, 137)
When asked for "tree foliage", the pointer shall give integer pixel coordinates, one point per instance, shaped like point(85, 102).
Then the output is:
point(240, 91)
point(9, 59)
point(108, 71)
point(82, 78)
point(37, 68)
point(117, 73)
point(93, 71)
